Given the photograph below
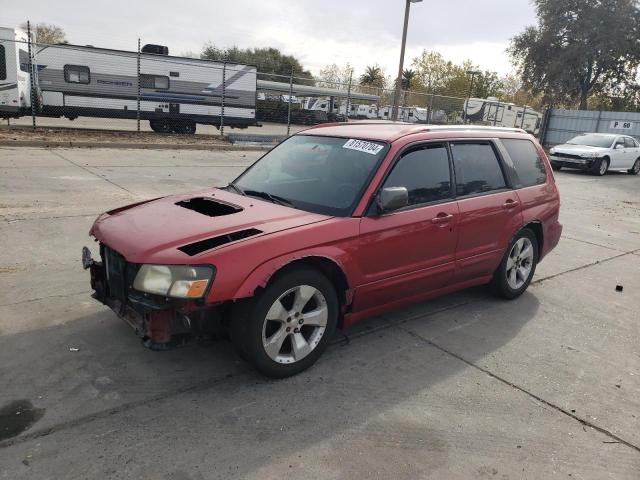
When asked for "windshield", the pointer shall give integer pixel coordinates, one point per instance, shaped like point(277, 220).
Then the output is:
point(592, 141)
point(319, 174)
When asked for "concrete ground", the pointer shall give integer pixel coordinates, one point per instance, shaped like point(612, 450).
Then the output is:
point(466, 386)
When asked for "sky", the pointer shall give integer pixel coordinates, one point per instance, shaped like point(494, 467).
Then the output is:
point(317, 32)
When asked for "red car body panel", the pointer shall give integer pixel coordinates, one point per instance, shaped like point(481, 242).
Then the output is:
point(387, 260)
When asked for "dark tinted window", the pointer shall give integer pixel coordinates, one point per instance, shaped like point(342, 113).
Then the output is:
point(477, 168)
point(23, 56)
point(154, 81)
point(76, 74)
point(529, 165)
point(3, 64)
point(425, 174)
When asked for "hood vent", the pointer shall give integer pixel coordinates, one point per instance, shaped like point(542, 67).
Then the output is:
point(209, 206)
point(213, 242)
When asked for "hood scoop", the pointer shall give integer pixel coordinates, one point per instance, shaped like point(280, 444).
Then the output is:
point(209, 206)
point(213, 242)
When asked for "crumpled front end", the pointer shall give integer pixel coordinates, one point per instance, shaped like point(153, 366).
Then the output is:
point(161, 322)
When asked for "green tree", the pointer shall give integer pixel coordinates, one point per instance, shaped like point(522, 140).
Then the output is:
point(432, 71)
point(579, 48)
point(372, 77)
point(408, 79)
point(272, 64)
point(46, 33)
point(335, 76)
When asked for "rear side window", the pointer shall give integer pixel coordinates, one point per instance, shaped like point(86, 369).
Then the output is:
point(424, 173)
point(629, 142)
point(23, 57)
point(76, 74)
point(154, 81)
point(3, 64)
point(529, 165)
point(477, 168)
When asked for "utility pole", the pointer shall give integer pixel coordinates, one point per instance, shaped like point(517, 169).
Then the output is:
point(396, 97)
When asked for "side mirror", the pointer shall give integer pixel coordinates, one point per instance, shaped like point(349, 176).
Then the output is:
point(619, 146)
point(392, 198)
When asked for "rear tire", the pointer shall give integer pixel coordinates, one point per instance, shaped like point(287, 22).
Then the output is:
point(600, 166)
point(517, 267)
point(636, 168)
point(284, 329)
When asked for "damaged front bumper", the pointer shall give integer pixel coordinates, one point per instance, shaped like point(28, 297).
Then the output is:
point(160, 322)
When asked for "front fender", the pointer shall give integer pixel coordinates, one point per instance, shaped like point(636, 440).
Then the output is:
point(261, 275)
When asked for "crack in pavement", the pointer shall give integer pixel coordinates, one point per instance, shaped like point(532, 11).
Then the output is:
point(582, 267)
point(593, 243)
point(523, 390)
point(59, 155)
point(60, 295)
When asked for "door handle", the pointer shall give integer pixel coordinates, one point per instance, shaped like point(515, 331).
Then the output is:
point(442, 218)
point(509, 204)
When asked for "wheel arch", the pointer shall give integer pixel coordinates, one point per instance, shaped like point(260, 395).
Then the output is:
point(536, 227)
point(329, 266)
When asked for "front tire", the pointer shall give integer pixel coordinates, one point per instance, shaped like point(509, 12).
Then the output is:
point(556, 166)
point(600, 166)
point(636, 168)
point(285, 329)
point(517, 267)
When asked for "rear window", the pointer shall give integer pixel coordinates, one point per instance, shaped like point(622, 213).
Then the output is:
point(3, 64)
point(23, 57)
point(477, 168)
point(529, 165)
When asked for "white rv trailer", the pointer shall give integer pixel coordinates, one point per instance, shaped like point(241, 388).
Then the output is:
point(494, 112)
point(175, 92)
point(15, 79)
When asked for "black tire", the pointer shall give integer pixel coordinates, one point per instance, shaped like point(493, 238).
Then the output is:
point(500, 284)
point(556, 166)
point(598, 169)
point(189, 128)
point(249, 317)
point(635, 169)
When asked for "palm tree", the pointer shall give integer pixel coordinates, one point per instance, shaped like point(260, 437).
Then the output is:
point(408, 76)
point(372, 76)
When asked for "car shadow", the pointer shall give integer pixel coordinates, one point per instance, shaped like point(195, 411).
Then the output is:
point(95, 364)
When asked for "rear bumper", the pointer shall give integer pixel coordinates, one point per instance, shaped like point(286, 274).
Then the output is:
point(551, 238)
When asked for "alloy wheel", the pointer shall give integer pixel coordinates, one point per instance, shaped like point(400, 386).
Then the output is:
point(295, 324)
point(519, 263)
point(603, 166)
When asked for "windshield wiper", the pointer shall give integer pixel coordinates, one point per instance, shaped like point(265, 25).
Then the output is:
point(236, 188)
point(268, 196)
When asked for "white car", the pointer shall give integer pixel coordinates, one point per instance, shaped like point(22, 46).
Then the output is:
point(598, 153)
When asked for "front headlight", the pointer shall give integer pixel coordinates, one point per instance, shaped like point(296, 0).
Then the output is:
point(552, 151)
point(589, 155)
point(179, 281)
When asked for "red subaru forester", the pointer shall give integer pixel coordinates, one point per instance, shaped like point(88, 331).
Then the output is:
point(333, 225)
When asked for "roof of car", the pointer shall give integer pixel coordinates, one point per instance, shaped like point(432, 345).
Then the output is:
point(388, 131)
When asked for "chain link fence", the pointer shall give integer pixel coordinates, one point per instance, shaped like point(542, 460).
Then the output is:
point(146, 91)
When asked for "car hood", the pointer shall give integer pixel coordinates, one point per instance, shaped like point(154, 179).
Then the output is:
point(578, 149)
point(153, 231)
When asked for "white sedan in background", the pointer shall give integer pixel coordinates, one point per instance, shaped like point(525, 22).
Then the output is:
point(598, 153)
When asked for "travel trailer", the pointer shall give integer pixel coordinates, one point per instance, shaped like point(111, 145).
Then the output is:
point(493, 112)
point(15, 78)
point(174, 93)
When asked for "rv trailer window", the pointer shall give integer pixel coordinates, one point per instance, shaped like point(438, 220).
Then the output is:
point(23, 56)
point(154, 81)
point(76, 74)
point(3, 64)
